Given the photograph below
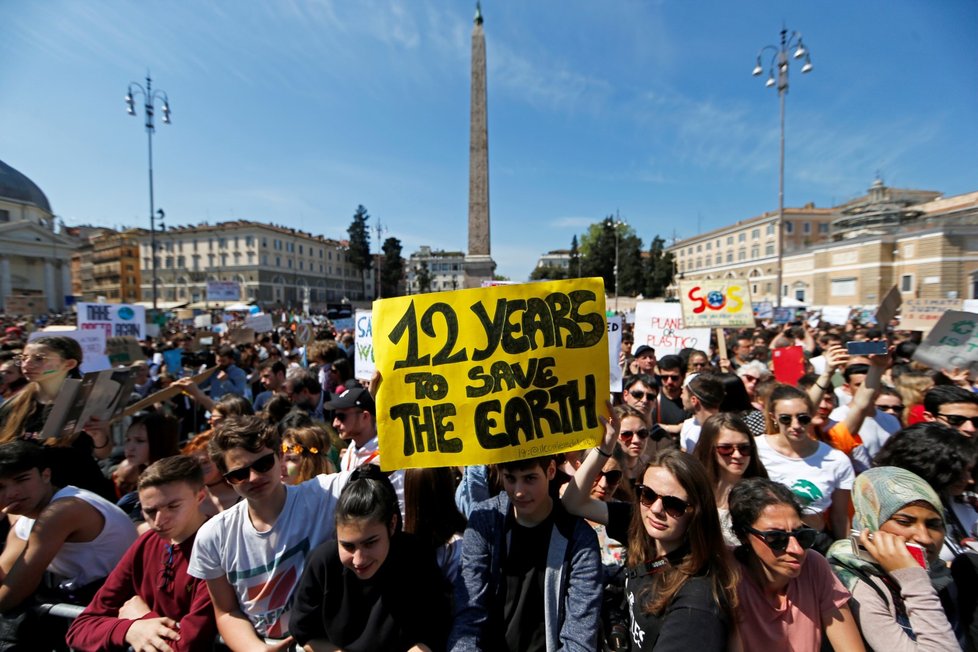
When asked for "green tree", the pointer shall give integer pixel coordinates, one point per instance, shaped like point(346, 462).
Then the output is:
point(392, 270)
point(548, 273)
point(598, 255)
point(359, 248)
point(659, 269)
point(574, 270)
point(423, 276)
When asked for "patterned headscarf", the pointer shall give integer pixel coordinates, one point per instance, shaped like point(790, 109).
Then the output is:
point(879, 493)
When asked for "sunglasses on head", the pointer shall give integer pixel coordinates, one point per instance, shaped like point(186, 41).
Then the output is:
point(611, 477)
point(728, 449)
point(638, 394)
point(674, 507)
point(786, 419)
point(957, 420)
point(778, 540)
point(641, 433)
point(890, 408)
point(261, 465)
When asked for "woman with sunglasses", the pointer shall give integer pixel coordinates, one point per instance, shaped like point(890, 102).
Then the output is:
point(895, 596)
point(679, 583)
point(374, 587)
point(728, 453)
point(787, 592)
point(634, 440)
point(819, 475)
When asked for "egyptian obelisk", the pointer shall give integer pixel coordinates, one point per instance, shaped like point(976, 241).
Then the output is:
point(479, 266)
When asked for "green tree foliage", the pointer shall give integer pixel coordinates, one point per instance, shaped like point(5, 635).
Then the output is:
point(548, 273)
point(359, 250)
point(574, 271)
point(598, 255)
point(423, 276)
point(659, 269)
point(392, 271)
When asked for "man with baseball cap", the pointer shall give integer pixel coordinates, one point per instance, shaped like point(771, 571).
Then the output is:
point(645, 358)
point(355, 420)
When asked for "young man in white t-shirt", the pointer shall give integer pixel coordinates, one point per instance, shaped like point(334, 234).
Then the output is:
point(253, 554)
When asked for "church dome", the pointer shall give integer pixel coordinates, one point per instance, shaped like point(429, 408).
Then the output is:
point(16, 186)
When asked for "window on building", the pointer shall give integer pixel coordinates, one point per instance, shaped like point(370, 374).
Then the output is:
point(729, 256)
point(789, 226)
point(800, 295)
point(742, 255)
point(699, 248)
point(278, 261)
point(769, 250)
point(823, 227)
point(843, 287)
point(729, 239)
point(806, 227)
point(289, 261)
point(906, 283)
point(770, 228)
point(741, 237)
point(755, 251)
point(4, 215)
point(719, 260)
point(755, 234)
point(753, 288)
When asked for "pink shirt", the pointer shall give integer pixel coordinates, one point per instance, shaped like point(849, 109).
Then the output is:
point(798, 625)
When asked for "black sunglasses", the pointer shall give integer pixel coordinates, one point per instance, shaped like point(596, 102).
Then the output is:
point(786, 419)
point(638, 395)
point(778, 540)
point(341, 416)
point(641, 433)
point(674, 507)
point(261, 465)
point(728, 449)
point(611, 477)
point(957, 420)
point(890, 408)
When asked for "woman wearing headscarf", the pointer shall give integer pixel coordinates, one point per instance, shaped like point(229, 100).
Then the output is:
point(896, 600)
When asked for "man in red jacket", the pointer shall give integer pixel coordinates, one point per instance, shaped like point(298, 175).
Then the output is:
point(149, 601)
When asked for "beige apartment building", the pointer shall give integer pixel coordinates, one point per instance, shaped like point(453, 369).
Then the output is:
point(924, 243)
point(274, 266)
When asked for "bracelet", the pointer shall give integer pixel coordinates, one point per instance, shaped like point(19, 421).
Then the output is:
point(601, 452)
point(824, 389)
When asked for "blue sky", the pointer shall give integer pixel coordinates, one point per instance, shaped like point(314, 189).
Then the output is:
point(294, 112)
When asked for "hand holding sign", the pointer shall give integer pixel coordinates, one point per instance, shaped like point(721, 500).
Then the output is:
point(490, 375)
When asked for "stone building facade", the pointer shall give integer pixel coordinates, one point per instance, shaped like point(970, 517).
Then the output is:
point(851, 254)
point(274, 266)
point(35, 261)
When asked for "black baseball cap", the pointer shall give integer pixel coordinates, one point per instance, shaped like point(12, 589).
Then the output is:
point(642, 350)
point(355, 397)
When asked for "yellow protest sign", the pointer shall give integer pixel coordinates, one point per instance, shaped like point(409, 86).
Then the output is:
point(490, 375)
point(720, 303)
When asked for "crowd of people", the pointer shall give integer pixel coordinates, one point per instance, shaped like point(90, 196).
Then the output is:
point(721, 509)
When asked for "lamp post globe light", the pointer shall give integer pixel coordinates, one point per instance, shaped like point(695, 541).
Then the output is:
point(150, 96)
point(780, 60)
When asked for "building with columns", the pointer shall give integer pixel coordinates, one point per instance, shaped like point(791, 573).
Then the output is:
point(274, 266)
point(35, 262)
point(851, 254)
